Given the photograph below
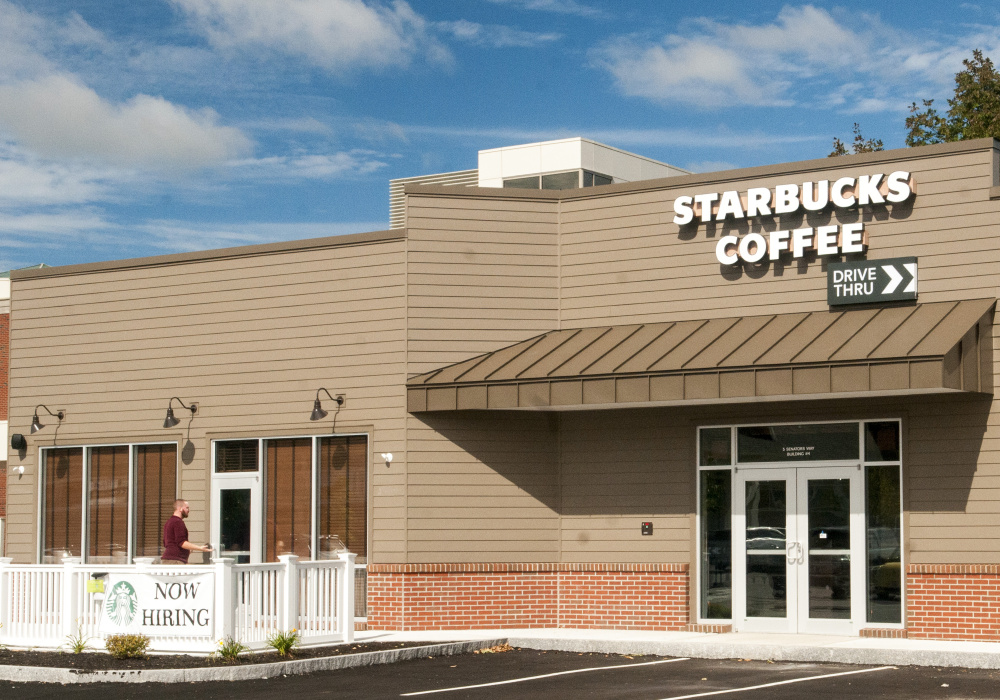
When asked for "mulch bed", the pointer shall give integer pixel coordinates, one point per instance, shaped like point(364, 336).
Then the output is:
point(102, 661)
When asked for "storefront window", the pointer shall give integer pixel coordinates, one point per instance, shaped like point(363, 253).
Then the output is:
point(107, 522)
point(343, 495)
point(289, 497)
point(885, 591)
point(882, 441)
point(101, 482)
point(716, 548)
point(235, 456)
point(62, 520)
point(715, 447)
point(155, 493)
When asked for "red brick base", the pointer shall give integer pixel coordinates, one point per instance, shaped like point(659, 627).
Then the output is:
point(706, 628)
point(949, 601)
point(470, 596)
point(882, 633)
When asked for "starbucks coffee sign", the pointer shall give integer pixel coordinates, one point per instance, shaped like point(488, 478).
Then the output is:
point(836, 239)
point(157, 605)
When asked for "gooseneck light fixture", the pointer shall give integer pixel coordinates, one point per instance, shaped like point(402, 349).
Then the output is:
point(170, 421)
point(36, 424)
point(318, 412)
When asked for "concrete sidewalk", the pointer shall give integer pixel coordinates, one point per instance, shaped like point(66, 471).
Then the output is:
point(775, 647)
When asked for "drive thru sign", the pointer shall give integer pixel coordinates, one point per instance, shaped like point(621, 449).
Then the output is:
point(871, 281)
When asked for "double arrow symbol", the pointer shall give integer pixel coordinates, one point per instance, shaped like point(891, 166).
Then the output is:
point(871, 281)
point(895, 278)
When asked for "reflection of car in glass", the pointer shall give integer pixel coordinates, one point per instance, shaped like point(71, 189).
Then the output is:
point(761, 537)
point(885, 581)
point(884, 570)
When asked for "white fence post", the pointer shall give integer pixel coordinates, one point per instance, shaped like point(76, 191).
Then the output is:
point(289, 610)
point(5, 563)
point(345, 615)
point(69, 596)
point(225, 606)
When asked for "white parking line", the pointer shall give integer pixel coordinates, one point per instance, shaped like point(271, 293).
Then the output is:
point(547, 675)
point(771, 685)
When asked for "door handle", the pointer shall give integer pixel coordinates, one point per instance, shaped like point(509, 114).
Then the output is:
point(795, 553)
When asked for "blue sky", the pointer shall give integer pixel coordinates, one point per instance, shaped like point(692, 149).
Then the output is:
point(140, 128)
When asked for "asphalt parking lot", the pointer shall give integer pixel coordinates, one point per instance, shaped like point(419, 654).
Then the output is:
point(534, 674)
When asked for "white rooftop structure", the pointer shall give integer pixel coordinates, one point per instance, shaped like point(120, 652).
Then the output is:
point(549, 165)
point(497, 166)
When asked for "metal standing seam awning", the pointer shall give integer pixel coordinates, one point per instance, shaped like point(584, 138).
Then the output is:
point(924, 348)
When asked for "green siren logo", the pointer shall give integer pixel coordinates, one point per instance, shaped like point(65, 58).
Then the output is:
point(122, 603)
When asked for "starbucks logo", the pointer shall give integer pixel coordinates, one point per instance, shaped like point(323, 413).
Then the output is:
point(122, 603)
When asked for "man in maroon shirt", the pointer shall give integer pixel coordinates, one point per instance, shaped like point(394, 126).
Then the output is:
point(176, 547)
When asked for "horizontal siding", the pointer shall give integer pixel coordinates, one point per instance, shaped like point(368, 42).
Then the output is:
point(954, 482)
point(481, 274)
point(620, 469)
point(471, 258)
point(482, 488)
point(250, 339)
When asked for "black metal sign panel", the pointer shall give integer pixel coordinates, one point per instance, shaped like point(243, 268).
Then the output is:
point(871, 281)
point(796, 443)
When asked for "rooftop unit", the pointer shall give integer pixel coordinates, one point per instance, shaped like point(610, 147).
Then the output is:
point(548, 165)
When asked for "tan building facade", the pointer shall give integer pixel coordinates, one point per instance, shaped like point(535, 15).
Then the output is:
point(599, 413)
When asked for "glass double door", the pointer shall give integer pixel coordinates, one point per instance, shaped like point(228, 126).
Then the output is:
point(798, 563)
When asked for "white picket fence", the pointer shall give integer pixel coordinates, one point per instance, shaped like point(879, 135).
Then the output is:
point(42, 606)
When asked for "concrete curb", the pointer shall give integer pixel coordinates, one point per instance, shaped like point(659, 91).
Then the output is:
point(42, 674)
point(769, 652)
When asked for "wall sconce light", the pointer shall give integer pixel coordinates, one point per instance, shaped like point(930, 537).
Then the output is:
point(36, 424)
point(387, 456)
point(170, 421)
point(318, 413)
point(19, 470)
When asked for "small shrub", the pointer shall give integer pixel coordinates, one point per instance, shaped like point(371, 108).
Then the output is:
point(77, 643)
point(230, 648)
point(127, 646)
point(284, 642)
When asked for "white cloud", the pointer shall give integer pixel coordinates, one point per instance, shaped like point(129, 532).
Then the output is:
point(51, 112)
point(58, 117)
point(20, 34)
point(336, 35)
point(23, 182)
point(495, 35)
point(32, 228)
point(565, 7)
point(806, 51)
point(714, 64)
point(308, 166)
point(302, 125)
